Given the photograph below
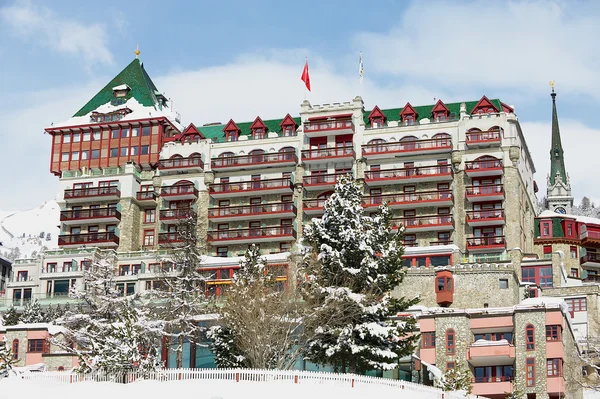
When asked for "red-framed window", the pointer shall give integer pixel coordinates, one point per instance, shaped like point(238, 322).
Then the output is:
point(444, 283)
point(553, 333)
point(231, 136)
point(546, 228)
point(22, 275)
point(450, 365)
point(15, 348)
point(285, 247)
point(574, 272)
point(222, 252)
point(547, 251)
point(570, 229)
point(36, 345)
point(450, 342)
point(530, 337)
point(573, 252)
point(554, 367)
point(149, 215)
point(530, 371)
point(576, 305)
point(148, 237)
point(540, 275)
point(428, 340)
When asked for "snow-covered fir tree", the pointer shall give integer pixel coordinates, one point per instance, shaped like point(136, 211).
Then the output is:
point(260, 322)
point(11, 317)
point(32, 313)
point(352, 262)
point(7, 358)
point(457, 378)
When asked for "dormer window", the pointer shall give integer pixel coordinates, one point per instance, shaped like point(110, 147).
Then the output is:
point(377, 123)
point(288, 126)
point(288, 131)
point(258, 133)
point(231, 136)
point(408, 115)
point(440, 112)
point(121, 90)
point(408, 120)
point(232, 131)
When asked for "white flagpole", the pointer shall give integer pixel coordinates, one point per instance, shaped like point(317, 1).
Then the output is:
point(360, 72)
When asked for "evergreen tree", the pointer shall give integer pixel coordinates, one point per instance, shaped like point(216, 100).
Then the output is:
point(7, 358)
point(352, 262)
point(11, 317)
point(222, 344)
point(32, 313)
point(456, 379)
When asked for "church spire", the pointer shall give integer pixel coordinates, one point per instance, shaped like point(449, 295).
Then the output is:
point(557, 161)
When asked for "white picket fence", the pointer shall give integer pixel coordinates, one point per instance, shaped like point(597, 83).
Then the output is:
point(240, 375)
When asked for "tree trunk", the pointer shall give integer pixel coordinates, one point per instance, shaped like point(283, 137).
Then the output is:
point(179, 357)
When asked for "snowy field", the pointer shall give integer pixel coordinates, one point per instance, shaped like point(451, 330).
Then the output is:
point(17, 388)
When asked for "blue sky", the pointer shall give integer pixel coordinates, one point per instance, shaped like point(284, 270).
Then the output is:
point(221, 60)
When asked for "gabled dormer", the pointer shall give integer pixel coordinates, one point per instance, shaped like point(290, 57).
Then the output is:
point(507, 109)
point(121, 90)
point(232, 131)
point(408, 115)
point(288, 126)
point(191, 134)
point(376, 118)
point(484, 106)
point(440, 112)
point(259, 129)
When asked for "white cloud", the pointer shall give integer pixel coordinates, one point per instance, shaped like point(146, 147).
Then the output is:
point(516, 47)
point(41, 25)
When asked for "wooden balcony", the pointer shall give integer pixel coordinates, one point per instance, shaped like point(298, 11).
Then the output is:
point(90, 216)
point(174, 216)
point(410, 200)
point(254, 161)
point(375, 178)
point(488, 138)
point(170, 240)
point(323, 155)
point(483, 168)
point(177, 165)
point(252, 212)
point(252, 235)
point(328, 127)
point(321, 182)
point(146, 197)
point(92, 194)
point(179, 192)
point(103, 239)
point(488, 217)
point(314, 206)
point(399, 148)
point(485, 193)
point(486, 244)
point(590, 259)
point(252, 187)
point(424, 223)
point(491, 353)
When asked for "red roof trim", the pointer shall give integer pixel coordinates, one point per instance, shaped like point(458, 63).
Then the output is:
point(376, 113)
point(439, 107)
point(506, 108)
point(484, 102)
point(231, 127)
point(318, 118)
point(408, 110)
point(288, 120)
point(258, 124)
point(115, 123)
point(192, 129)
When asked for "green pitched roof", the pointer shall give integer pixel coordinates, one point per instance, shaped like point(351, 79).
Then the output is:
point(557, 160)
point(216, 131)
point(134, 75)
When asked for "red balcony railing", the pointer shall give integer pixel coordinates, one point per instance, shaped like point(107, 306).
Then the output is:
point(180, 163)
point(181, 213)
point(492, 241)
point(314, 203)
point(246, 210)
point(169, 238)
point(484, 190)
point(322, 179)
point(443, 242)
point(90, 238)
point(97, 213)
point(484, 137)
point(92, 192)
point(258, 232)
point(251, 185)
point(325, 125)
point(179, 189)
point(422, 221)
point(326, 153)
point(485, 214)
point(146, 195)
point(421, 196)
point(475, 166)
point(408, 172)
point(254, 159)
point(407, 146)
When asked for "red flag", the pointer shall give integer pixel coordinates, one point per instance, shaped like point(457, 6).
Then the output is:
point(305, 78)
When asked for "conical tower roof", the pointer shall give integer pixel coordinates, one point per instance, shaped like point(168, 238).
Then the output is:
point(557, 161)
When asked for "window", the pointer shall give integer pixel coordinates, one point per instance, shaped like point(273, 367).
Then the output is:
point(553, 333)
point(64, 157)
point(285, 247)
point(548, 251)
point(115, 133)
point(428, 340)
point(231, 136)
point(494, 373)
point(530, 362)
point(95, 154)
point(410, 240)
point(22, 275)
point(573, 252)
point(546, 229)
point(450, 365)
point(66, 138)
point(288, 131)
point(498, 336)
point(258, 133)
point(125, 133)
point(145, 149)
point(553, 367)
point(575, 272)
point(84, 155)
point(15, 349)
point(149, 215)
point(576, 305)
point(540, 275)
point(114, 152)
point(97, 136)
point(503, 283)
point(36, 345)
point(135, 132)
point(222, 252)
point(450, 342)
point(86, 137)
point(124, 151)
point(530, 337)
point(75, 156)
point(133, 150)
point(76, 138)
point(146, 131)
point(148, 237)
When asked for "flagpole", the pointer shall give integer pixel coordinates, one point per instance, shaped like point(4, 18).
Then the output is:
point(305, 88)
point(360, 73)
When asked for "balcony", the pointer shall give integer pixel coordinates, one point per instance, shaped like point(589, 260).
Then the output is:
point(87, 216)
point(104, 239)
point(335, 154)
point(174, 216)
point(321, 182)
point(485, 244)
point(20, 282)
point(483, 168)
point(252, 235)
point(252, 187)
point(556, 385)
point(408, 175)
point(252, 212)
point(179, 192)
point(314, 206)
point(410, 200)
point(488, 138)
point(485, 193)
point(488, 217)
point(92, 194)
point(254, 161)
point(399, 148)
point(146, 197)
point(590, 236)
point(590, 259)
point(170, 240)
point(177, 165)
point(424, 223)
point(490, 386)
point(488, 353)
point(325, 127)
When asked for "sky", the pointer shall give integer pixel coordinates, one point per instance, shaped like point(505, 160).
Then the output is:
point(239, 59)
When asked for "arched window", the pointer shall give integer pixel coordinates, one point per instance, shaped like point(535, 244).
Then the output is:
point(257, 156)
point(176, 160)
point(287, 153)
point(530, 337)
point(442, 139)
point(226, 158)
point(376, 146)
point(450, 341)
point(408, 143)
point(15, 348)
point(61, 368)
point(195, 159)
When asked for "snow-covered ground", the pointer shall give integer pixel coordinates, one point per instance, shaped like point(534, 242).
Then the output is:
point(197, 389)
point(23, 229)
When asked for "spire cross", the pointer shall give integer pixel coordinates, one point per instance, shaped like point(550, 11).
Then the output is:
point(552, 83)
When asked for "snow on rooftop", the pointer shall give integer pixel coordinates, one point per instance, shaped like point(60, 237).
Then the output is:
point(52, 329)
point(124, 86)
point(235, 260)
point(581, 219)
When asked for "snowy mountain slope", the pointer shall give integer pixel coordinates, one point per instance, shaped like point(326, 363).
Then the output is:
point(21, 232)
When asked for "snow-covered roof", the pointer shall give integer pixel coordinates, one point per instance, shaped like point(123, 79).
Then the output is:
point(121, 87)
point(52, 329)
point(433, 249)
point(235, 260)
point(581, 219)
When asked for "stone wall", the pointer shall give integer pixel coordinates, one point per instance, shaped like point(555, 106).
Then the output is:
point(538, 320)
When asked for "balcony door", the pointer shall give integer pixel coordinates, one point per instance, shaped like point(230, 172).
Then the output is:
point(254, 228)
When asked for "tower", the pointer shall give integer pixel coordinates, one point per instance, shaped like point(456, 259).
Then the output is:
point(559, 195)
